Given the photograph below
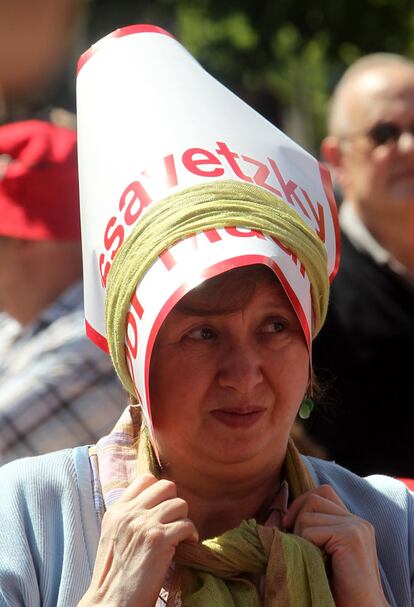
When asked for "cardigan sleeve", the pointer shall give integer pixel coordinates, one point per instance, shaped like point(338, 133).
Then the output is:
point(48, 530)
point(389, 506)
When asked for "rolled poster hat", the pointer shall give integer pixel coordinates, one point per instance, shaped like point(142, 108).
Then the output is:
point(155, 127)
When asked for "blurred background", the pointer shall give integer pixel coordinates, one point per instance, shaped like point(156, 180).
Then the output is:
point(283, 56)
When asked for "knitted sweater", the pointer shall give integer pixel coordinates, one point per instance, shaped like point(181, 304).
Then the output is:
point(49, 529)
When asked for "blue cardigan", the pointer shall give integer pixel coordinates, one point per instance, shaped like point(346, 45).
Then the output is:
point(49, 530)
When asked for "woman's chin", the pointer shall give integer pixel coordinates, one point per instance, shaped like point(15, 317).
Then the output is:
point(237, 451)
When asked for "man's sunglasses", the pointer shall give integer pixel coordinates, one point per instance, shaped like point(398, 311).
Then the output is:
point(387, 132)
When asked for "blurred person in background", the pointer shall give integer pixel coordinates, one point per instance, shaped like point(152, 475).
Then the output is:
point(366, 345)
point(55, 385)
point(41, 41)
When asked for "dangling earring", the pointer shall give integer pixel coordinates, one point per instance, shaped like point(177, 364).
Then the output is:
point(306, 408)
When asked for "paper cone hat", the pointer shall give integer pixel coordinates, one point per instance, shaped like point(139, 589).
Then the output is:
point(152, 121)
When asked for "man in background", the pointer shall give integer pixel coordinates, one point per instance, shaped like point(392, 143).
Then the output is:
point(56, 388)
point(366, 350)
point(39, 44)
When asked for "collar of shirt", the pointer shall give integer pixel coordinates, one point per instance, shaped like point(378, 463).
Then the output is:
point(354, 228)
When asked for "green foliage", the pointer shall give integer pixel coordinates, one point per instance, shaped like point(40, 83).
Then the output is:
point(282, 56)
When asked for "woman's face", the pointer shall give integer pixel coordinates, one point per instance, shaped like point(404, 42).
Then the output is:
point(226, 380)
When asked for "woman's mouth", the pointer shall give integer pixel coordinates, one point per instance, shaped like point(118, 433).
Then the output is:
point(238, 418)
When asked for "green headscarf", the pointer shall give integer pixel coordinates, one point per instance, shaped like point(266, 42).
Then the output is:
point(209, 205)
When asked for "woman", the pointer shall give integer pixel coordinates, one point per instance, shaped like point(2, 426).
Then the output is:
point(212, 296)
point(125, 523)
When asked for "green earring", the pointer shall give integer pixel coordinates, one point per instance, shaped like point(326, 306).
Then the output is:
point(306, 408)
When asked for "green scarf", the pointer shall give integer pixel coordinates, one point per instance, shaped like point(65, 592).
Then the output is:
point(224, 571)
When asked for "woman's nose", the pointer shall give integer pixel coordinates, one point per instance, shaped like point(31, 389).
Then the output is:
point(241, 370)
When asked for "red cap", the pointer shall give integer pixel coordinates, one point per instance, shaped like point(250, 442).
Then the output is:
point(39, 193)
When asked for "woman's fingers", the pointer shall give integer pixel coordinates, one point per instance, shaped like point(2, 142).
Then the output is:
point(152, 507)
point(322, 499)
point(139, 536)
point(181, 531)
point(150, 502)
point(322, 529)
point(139, 485)
point(148, 491)
point(171, 510)
point(320, 517)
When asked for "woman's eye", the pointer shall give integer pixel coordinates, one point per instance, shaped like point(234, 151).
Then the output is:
point(273, 326)
point(201, 333)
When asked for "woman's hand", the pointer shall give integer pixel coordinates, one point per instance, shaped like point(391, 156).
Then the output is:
point(320, 517)
point(139, 536)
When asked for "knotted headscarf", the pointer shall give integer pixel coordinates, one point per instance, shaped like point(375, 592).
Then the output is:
point(209, 205)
